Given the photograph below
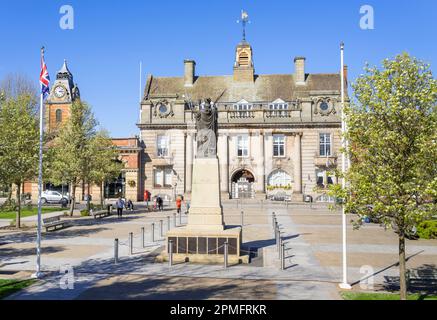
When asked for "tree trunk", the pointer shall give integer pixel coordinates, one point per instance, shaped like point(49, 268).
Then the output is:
point(10, 193)
point(88, 201)
point(73, 198)
point(402, 266)
point(18, 218)
point(101, 195)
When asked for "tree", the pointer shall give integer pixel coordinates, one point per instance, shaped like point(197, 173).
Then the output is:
point(19, 137)
point(71, 149)
point(104, 164)
point(393, 148)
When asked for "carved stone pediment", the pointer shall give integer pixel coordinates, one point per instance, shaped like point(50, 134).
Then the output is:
point(324, 105)
point(162, 109)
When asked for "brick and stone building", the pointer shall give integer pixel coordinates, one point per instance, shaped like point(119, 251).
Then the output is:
point(57, 111)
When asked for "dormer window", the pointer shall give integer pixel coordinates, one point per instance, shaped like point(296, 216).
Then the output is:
point(243, 107)
point(278, 107)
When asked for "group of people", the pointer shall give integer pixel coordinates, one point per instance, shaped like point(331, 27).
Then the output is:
point(122, 204)
point(157, 205)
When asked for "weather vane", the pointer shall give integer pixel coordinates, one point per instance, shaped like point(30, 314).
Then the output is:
point(244, 20)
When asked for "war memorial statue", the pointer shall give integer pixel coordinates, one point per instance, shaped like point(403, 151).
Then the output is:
point(205, 236)
point(206, 127)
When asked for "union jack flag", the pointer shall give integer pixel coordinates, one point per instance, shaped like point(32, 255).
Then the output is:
point(44, 78)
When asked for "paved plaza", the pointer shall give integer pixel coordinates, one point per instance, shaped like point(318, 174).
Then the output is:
point(313, 257)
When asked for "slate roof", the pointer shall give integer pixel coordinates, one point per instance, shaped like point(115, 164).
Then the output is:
point(264, 88)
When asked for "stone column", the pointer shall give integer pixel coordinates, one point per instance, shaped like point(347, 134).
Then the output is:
point(261, 164)
point(297, 165)
point(268, 153)
point(189, 162)
point(222, 151)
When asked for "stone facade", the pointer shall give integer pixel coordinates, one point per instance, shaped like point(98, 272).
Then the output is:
point(278, 134)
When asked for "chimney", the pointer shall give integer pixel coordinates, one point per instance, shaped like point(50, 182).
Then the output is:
point(299, 70)
point(190, 72)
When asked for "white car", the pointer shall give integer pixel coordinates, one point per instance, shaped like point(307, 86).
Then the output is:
point(52, 196)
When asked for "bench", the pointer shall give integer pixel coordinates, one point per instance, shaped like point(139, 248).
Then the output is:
point(100, 214)
point(53, 223)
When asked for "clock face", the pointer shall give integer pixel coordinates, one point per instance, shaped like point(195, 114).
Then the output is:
point(60, 91)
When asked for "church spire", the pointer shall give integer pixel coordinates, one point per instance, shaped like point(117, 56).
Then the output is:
point(64, 73)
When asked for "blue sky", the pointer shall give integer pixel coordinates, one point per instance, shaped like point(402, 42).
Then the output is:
point(111, 37)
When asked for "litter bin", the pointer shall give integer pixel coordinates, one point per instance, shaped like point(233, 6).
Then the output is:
point(64, 202)
point(308, 199)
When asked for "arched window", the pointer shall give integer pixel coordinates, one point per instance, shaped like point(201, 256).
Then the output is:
point(58, 116)
point(279, 178)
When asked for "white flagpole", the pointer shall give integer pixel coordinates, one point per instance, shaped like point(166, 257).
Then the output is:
point(344, 285)
point(38, 273)
point(140, 94)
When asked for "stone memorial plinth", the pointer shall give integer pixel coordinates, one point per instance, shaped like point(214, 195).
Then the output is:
point(202, 239)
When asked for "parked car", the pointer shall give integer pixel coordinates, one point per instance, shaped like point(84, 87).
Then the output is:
point(49, 196)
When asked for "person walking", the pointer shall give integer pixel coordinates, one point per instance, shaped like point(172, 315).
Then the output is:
point(146, 197)
point(160, 203)
point(120, 206)
point(178, 204)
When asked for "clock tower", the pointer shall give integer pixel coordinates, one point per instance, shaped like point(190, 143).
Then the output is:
point(62, 95)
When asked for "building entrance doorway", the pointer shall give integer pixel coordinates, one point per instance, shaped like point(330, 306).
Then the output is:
point(243, 185)
point(116, 188)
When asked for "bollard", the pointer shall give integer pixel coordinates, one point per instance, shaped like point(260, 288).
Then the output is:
point(153, 232)
point(278, 242)
point(116, 251)
point(283, 256)
point(279, 249)
point(276, 236)
point(242, 218)
point(170, 253)
point(174, 219)
point(226, 255)
point(161, 227)
point(131, 242)
point(168, 223)
point(142, 237)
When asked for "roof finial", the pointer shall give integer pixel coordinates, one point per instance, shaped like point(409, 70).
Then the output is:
point(244, 20)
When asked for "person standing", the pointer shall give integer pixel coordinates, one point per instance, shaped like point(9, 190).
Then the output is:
point(160, 203)
point(146, 197)
point(120, 206)
point(178, 204)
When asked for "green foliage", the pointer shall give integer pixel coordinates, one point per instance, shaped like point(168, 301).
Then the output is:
point(392, 134)
point(10, 286)
point(393, 143)
point(427, 229)
point(9, 205)
point(104, 165)
point(19, 135)
point(70, 151)
point(84, 213)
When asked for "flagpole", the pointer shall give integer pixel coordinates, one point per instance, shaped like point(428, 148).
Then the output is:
point(38, 273)
point(344, 285)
